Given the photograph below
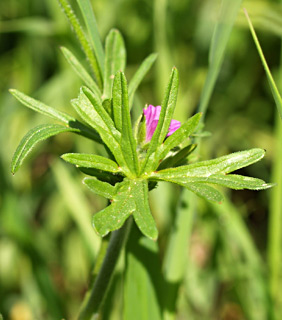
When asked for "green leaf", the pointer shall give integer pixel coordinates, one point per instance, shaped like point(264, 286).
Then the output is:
point(142, 214)
point(41, 107)
point(225, 164)
point(143, 278)
point(206, 192)
point(91, 161)
point(139, 75)
point(96, 65)
point(35, 135)
point(103, 189)
point(128, 143)
point(123, 121)
point(166, 114)
point(178, 158)
point(90, 21)
point(114, 216)
point(228, 13)
point(115, 60)
point(175, 139)
point(117, 102)
point(274, 89)
point(105, 176)
point(82, 73)
point(232, 181)
point(97, 117)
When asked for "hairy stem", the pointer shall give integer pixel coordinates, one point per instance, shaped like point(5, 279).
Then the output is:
point(94, 298)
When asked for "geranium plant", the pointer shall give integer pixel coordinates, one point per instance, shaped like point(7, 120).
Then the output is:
point(156, 149)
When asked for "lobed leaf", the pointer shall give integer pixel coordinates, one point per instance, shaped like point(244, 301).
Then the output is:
point(103, 189)
point(41, 107)
point(115, 60)
point(35, 135)
point(139, 75)
point(82, 73)
point(114, 216)
point(91, 161)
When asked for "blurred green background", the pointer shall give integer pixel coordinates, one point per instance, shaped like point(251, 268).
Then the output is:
point(47, 245)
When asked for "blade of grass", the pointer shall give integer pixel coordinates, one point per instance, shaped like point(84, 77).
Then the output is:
point(175, 260)
point(228, 14)
point(274, 89)
point(77, 204)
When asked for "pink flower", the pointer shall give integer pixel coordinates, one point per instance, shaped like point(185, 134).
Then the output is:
point(152, 115)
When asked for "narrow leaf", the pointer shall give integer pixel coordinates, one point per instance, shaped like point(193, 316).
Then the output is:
point(176, 138)
point(115, 60)
point(86, 46)
point(97, 117)
point(166, 114)
point(91, 161)
point(103, 189)
point(35, 135)
point(117, 102)
point(41, 107)
point(142, 214)
point(232, 181)
point(228, 13)
point(225, 164)
point(128, 143)
point(178, 158)
point(82, 73)
point(139, 75)
point(90, 21)
point(274, 89)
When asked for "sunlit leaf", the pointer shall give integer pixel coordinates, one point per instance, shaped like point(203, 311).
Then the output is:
point(103, 189)
point(166, 114)
point(40, 107)
point(114, 216)
point(225, 164)
point(91, 161)
point(35, 135)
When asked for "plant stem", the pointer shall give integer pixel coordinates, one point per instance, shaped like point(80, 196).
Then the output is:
point(97, 293)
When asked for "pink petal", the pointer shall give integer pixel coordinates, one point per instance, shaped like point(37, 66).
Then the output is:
point(152, 115)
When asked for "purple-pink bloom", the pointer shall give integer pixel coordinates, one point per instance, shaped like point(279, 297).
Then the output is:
point(152, 115)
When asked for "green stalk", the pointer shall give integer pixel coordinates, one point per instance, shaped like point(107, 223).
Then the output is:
point(95, 297)
point(275, 221)
point(94, 64)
